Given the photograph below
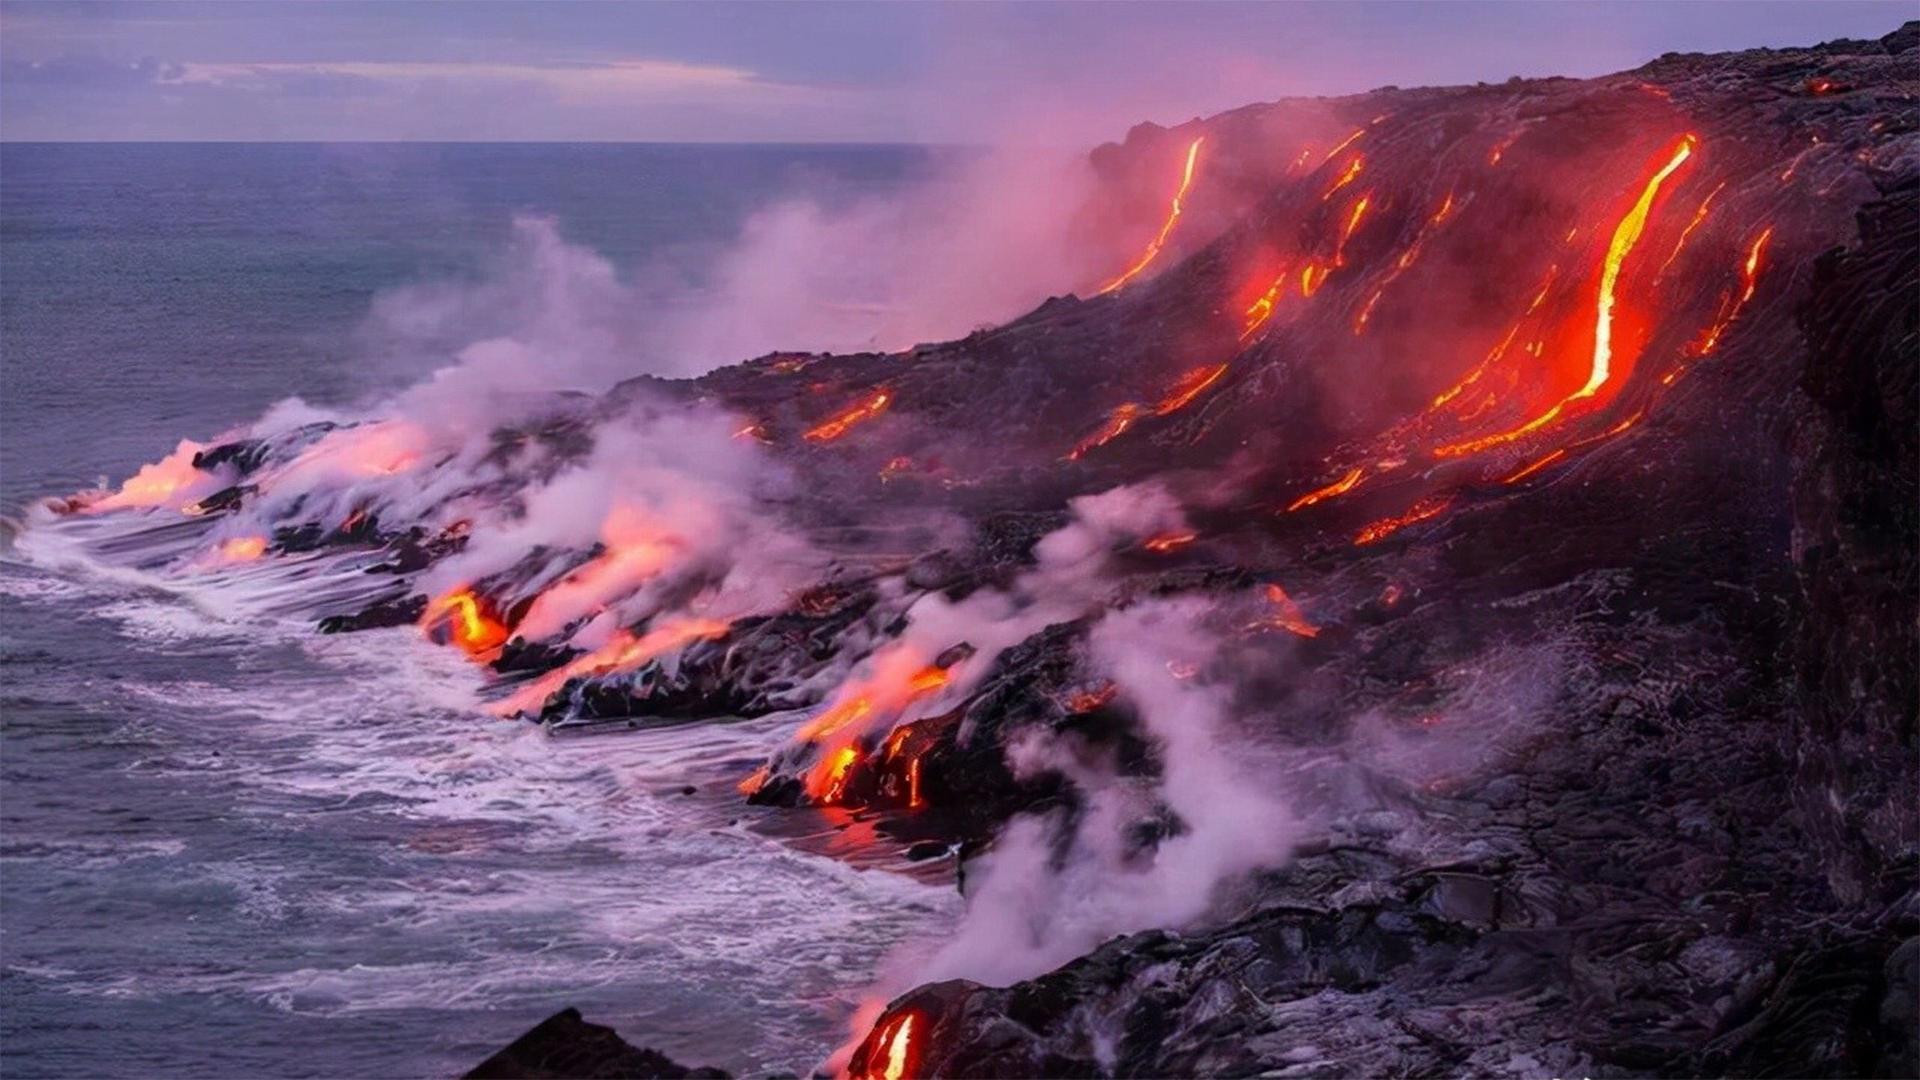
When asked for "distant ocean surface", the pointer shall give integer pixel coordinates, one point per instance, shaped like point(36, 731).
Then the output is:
point(239, 849)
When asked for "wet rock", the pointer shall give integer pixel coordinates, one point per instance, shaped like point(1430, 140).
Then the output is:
point(398, 610)
point(566, 1046)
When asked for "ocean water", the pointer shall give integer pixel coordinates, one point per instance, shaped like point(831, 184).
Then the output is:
point(231, 847)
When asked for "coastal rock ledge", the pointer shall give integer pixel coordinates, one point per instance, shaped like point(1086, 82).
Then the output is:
point(566, 1045)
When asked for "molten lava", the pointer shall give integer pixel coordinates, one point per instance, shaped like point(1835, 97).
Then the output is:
point(1346, 177)
point(1346, 230)
point(470, 624)
point(896, 682)
point(1190, 386)
point(1338, 487)
point(636, 548)
point(1261, 309)
point(1403, 263)
point(1287, 615)
point(894, 1060)
point(1430, 507)
point(242, 548)
point(1170, 541)
point(1173, 218)
point(1085, 701)
point(625, 652)
point(1625, 235)
point(1118, 421)
point(833, 428)
point(1528, 470)
point(170, 482)
point(884, 691)
point(829, 782)
point(1730, 309)
point(1343, 144)
point(1698, 216)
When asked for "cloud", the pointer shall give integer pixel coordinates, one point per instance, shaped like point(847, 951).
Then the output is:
point(572, 83)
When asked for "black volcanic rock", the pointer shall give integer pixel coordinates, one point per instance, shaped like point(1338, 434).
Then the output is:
point(565, 1046)
point(1856, 552)
point(1597, 711)
point(1707, 863)
point(396, 610)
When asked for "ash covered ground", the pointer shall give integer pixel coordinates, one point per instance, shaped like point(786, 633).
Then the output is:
point(1442, 602)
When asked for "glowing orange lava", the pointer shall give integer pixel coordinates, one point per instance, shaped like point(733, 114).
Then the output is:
point(896, 1042)
point(886, 690)
point(1312, 276)
point(829, 783)
point(1403, 263)
point(1118, 421)
point(170, 482)
point(243, 548)
point(1190, 386)
point(1338, 487)
point(1529, 470)
point(1500, 349)
point(1698, 216)
point(1430, 507)
point(1366, 310)
point(838, 425)
point(1346, 231)
point(1343, 144)
point(472, 627)
point(1749, 280)
point(1625, 235)
point(1287, 614)
point(1171, 541)
point(1166, 230)
point(1347, 177)
point(625, 652)
point(1085, 701)
point(753, 780)
point(1261, 310)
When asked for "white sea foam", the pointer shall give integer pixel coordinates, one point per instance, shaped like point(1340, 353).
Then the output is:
point(503, 866)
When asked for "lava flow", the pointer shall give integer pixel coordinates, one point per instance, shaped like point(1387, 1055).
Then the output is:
point(894, 685)
point(1749, 280)
point(626, 652)
point(1338, 487)
point(1421, 511)
point(1287, 614)
point(243, 548)
point(1172, 541)
point(1625, 235)
point(837, 426)
point(894, 1055)
point(1166, 230)
point(1116, 425)
point(467, 620)
point(173, 482)
point(1190, 386)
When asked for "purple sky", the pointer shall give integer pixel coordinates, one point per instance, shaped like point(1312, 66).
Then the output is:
point(973, 72)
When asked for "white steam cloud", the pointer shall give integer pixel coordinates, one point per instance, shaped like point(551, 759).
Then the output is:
point(1036, 908)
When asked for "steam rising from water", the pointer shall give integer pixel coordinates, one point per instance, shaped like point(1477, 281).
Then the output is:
point(1040, 903)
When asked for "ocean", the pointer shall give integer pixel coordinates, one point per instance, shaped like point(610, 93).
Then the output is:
point(232, 847)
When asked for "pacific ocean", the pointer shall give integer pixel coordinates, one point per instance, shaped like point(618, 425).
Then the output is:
point(232, 847)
